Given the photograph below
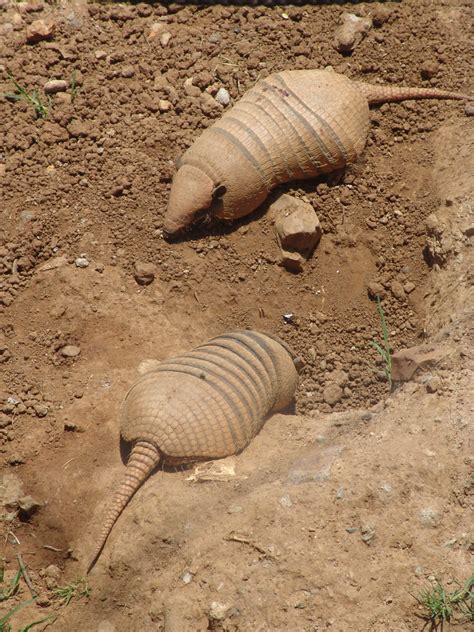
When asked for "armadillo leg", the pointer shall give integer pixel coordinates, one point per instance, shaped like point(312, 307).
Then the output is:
point(144, 457)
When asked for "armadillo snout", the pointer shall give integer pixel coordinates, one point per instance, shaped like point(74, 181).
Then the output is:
point(191, 193)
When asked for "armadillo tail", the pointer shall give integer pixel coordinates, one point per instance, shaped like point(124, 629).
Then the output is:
point(387, 94)
point(144, 457)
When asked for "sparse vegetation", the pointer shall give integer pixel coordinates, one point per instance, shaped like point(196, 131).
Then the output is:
point(384, 349)
point(33, 98)
point(443, 606)
point(78, 588)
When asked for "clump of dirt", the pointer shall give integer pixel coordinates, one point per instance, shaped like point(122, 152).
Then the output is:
point(326, 509)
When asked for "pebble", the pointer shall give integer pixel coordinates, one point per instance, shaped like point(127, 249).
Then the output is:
point(409, 287)
point(144, 273)
point(285, 501)
point(351, 32)
point(375, 289)
point(469, 109)
point(430, 517)
point(397, 290)
point(81, 262)
point(367, 534)
point(4, 420)
point(40, 30)
point(70, 351)
point(41, 410)
point(186, 577)
point(164, 105)
point(155, 30)
point(434, 384)
point(332, 394)
point(218, 611)
point(223, 96)
point(429, 69)
point(55, 85)
point(165, 38)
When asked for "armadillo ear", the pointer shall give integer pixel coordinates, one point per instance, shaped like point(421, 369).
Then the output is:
point(219, 192)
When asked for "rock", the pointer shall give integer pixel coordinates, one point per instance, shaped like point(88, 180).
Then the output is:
point(223, 96)
point(28, 507)
point(469, 109)
point(218, 611)
point(285, 501)
point(165, 38)
point(375, 289)
point(429, 69)
point(164, 105)
point(41, 410)
point(55, 85)
point(144, 273)
point(380, 13)
point(156, 29)
point(81, 262)
point(351, 32)
point(70, 351)
point(52, 571)
point(409, 287)
point(397, 290)
point(430, 517)
point(40, 30)
point(4, 420)
point(186, 577)
point(11, 490)
point(434, 384)
point(332, 393)
point(297, 228)
point(406, 362)
point(367, 533)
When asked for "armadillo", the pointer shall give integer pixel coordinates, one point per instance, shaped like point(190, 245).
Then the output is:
point(207, 403)
point(293, 125)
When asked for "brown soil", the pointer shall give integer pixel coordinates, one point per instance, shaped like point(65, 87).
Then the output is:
point(334, 515)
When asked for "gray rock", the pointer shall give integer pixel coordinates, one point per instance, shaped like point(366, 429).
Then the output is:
point(70, 351)
point(81, 262)
point(430, 517)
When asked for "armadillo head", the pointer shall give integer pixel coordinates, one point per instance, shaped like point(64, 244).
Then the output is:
point(190, 197)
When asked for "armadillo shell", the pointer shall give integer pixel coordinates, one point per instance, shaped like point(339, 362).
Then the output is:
point(210, 402)
point(290, 126)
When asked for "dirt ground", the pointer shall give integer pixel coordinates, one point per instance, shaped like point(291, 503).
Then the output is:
point(334, 516)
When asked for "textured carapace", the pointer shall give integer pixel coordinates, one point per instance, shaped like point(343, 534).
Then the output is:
point(205, 404)
point(293, 125)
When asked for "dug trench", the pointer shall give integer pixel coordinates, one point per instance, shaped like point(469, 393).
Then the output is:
point(333, 515)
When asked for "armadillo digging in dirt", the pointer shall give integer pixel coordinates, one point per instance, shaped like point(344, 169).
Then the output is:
point(205, 404)
point(293, 125)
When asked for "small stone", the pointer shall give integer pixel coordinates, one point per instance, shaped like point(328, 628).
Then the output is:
point(81, 262)
point(52, 571)
point(28, 506)
point(186, 577)
point(42, 601)
point(234, 509)
point(165, 38)
point(70, 351)
point(434, 384)
point(397, 290)
point(100, 54)
point(429, 69)
point(223, 96)
point(375, 289)
point(367, 534)
point(351, 32)
point(380, 14)
point(285, 501)
point(41, 410)
point(55, 85)
point(469, 109)
point(218, 611)
point(409, 287)
point(430, 517)
point(144, 273)
point(164, 105)
point(332, 394)
point(4, 420)
point(419, 571)
point(155, 30)
point(40, 30)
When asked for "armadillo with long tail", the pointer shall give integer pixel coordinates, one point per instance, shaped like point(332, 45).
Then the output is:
point(293, 125)
point(208, 403)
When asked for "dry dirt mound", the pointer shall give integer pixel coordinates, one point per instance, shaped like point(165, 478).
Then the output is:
point(332, 516)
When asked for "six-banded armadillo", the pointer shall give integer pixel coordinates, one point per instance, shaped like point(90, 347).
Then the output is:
point(293, 125)
point(205, 404)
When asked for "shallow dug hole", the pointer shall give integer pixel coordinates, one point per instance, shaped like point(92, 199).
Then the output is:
point(332, 516)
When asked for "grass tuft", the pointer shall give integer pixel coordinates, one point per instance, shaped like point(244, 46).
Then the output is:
point(33, 98)
point(78, 588)
point(442, 606)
